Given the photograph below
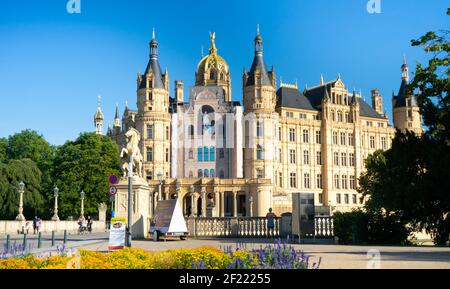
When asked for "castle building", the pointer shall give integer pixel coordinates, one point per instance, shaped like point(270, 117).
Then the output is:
point(224, 159)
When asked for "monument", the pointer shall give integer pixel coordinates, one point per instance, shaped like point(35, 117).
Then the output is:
point(134, 187)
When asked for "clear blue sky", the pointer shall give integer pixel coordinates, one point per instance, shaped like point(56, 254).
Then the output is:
point(54, 64)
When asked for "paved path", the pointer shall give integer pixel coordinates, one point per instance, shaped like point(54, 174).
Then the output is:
point(333, 256)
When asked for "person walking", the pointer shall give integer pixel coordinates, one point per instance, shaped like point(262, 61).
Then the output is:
point(270, 223)
point(38, 225)
point(35, 223)
point(89, 224)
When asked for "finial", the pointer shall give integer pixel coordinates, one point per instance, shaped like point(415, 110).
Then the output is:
point(404, 59)
point(281, 80)
point(296, 83)
point(257, 29)
point(212, 49)
point(153, 33)
point(321, 79)
point(339, 76)
point(126, 103)
point(202, 52)
point(98, 103)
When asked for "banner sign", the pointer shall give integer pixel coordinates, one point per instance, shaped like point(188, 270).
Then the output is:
point(117, 233)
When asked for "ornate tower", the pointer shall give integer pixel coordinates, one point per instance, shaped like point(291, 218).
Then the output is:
point(98, 119)
point(406, 112)
point(179, 94)
point(261, 123)
point(377, 101)
point(213, 70)
point(153, 119)
point(116, 125)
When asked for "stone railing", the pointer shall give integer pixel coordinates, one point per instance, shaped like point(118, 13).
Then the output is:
point(253, 227)
point(248, 227)
point(16, 227)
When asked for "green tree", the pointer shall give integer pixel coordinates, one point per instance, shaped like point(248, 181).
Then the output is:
point(11, 174)
point(3, 149)
point(28, 144)
point(84, 165)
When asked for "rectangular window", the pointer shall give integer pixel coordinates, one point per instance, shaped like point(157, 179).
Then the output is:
point(292, 156)
point(292, 134)
point(344, 159)
point(259, 129)
point(344, 182)
point(319, 158)
point(280, 179)
point(319, 181)
point(318, 137)
point(320, 198)
point(352, 183)
point(336, 181)
point(167, 133)
point(335, 138)
point(150, 131)
point(149, 175)
point(372, 142)
point(346, 198)
point(306, 181)
point(354, 199)
point(305, 136)
point(338, 198)
point(351, 140)
point(279, 133)
point(167, 155)
point(149, 154)
point(343, 138)
point(293, 180)
point(383, 143)
point(306, 157)
point(259, 174)
point(200, 154)
point(336, 159)
point(351, 159)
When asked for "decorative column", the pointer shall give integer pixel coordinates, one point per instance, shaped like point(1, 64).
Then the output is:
point(82, 205)
point(20, 216)
point(250, 204)
point(203, 196)
point(55, 215)
point(217, 203)
point(193, 205)
point(151, 204)
point(235, 204)
point(222, 204)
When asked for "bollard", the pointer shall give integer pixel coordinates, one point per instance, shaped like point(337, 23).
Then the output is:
point(25, 242)
point(53, 238)
point(39, 240)
point(8, 243)
point(65, 236)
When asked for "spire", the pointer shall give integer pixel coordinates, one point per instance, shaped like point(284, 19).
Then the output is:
point(405, 70)
point(259, 65)
point(339, 76)
point(154, 46)
point(203, 54)
point(258, 42)
point(116, 117)
point(213, 49)
point(257, 29)
point(321, 79)
point(98, 119)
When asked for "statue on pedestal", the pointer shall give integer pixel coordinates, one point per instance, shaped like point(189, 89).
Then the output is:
point(132, 152)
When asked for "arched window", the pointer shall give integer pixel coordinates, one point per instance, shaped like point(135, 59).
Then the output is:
point(211, 173)
point(259, 152)
point(205, 154)
point(221, 76)
point(191, 131)
point(339, 116)
point(200, 173)
point(206, 174)
point(199, 154)
point(212, 156)
point(212, 75)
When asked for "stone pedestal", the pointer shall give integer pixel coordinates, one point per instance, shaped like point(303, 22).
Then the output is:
point(102, 212)
point(140, 207)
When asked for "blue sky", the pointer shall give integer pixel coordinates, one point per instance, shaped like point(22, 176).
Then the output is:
point(54, 64)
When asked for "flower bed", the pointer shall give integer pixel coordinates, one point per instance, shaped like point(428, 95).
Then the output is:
point(277, 256)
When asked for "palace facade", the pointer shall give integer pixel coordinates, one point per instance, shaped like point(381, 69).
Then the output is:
point(221, 158)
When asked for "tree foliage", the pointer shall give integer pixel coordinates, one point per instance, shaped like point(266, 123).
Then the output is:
point(3, 149)
point(84, 165)
point(11, 174)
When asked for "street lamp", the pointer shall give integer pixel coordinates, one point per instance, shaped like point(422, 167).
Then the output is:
point(20, 216)
point(159, 177)
point(82, 205)
point(55, 194)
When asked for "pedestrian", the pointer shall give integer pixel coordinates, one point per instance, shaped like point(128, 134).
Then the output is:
point(35, 222)
point(38, 225)
point(89, 224)
point(270, 223)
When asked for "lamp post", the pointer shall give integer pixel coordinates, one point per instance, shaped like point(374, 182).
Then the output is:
point(82, 205)
point(159, 176)
point(55, 194)
point(20, 216)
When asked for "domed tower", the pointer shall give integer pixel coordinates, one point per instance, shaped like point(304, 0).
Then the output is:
point(98, 119)
point(213, 70)
point(405, 111)
point(261, 123)
point(153, 119)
